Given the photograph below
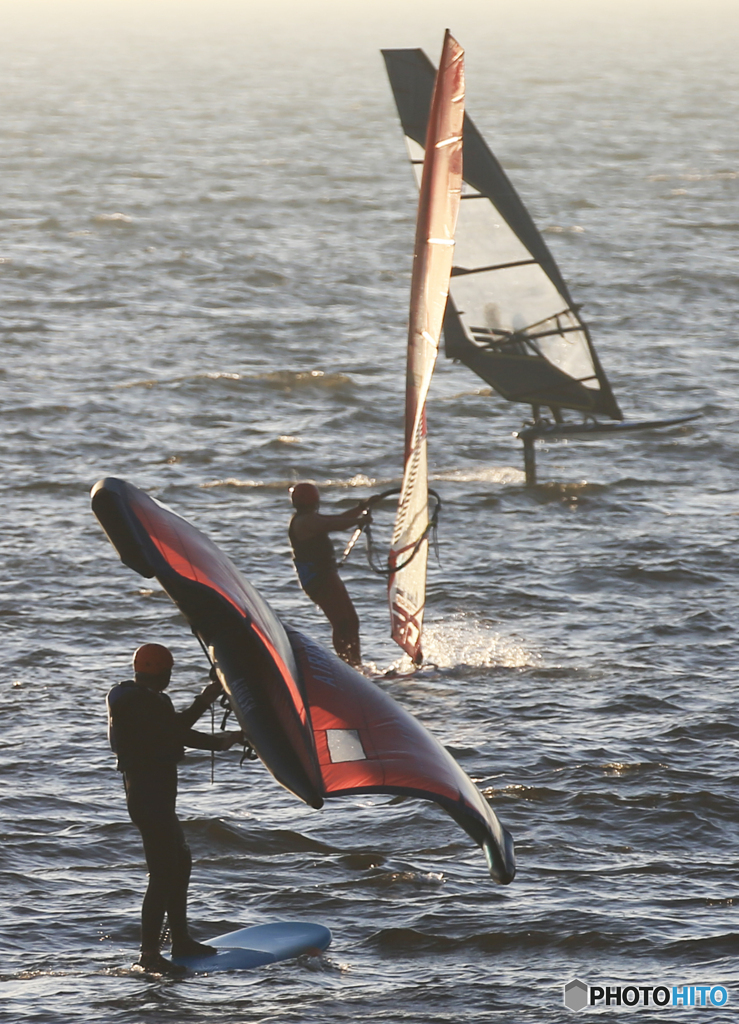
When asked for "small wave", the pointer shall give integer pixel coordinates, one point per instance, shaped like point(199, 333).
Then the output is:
point(557, 229)
point(482, 474)
point(620, 769)
point(321, 964)
point(355, 481)
point(223, 838)
point(666, 574)
point(25, 327)
point(711, 176)
point(566, 492)
point(362, 861)
point(726, 945)
point(232, 481)
point(150, 382)
point(533, 794)
point(287, 380)
point(359, 480)
point(416, 879)
point(121, 219)
point(729, 225)
point(409, 941)
point(629, 703)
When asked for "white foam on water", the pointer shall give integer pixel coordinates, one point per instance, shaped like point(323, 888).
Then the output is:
point(464, 640)
point(482, 474)
point(355, 481)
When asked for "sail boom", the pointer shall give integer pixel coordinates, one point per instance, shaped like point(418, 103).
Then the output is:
point(461, 271)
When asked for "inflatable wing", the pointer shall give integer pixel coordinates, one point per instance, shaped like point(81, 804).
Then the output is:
point(320, 727)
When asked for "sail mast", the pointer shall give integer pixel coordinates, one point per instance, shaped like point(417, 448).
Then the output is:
point(438, 207)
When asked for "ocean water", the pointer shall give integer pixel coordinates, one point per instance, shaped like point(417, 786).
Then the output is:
point(206, 224)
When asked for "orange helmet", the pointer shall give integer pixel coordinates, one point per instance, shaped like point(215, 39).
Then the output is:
point(305, 495)
point(152, 660)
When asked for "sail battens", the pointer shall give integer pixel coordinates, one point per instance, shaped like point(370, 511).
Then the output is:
point(505, 275)
point(555, 331)
point(462, 271)
point(490, 336)
point(438, 207)
point(525, 333)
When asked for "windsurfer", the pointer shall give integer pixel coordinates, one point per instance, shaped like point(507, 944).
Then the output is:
point(315, 562)
point(149, 736)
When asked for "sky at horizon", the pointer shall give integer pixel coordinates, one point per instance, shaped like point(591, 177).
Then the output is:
point(487, 29)
point(416, 14)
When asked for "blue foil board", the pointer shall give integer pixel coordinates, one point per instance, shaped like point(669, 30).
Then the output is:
point(262, 944)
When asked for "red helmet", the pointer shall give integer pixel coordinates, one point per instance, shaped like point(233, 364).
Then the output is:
point(305, 495)
point(152, 660)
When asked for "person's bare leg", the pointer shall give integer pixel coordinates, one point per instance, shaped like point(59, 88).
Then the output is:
point(332, 598)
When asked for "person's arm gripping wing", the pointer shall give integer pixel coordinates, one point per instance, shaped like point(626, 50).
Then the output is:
point(204, 740)
point(202, 702)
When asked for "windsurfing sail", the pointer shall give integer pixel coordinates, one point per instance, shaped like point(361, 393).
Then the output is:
point(510, 317)
point(438, 207)
point(320, 727)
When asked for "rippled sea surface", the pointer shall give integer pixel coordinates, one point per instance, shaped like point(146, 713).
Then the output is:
point(206, 222)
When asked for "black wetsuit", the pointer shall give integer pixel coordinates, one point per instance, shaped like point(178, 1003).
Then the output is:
point(314, 558)
point(149, 738)
point(315, 562)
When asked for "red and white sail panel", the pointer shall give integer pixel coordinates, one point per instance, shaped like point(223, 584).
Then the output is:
point(438, 207)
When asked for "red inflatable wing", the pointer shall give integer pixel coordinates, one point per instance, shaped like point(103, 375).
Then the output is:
point(320, 727)
point(367, 743)
point(244, 638)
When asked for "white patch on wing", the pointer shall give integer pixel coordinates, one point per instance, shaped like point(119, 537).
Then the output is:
point(345, 745)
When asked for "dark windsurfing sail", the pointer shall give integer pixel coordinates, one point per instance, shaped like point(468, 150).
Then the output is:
point(320, 727)
point(510, 317)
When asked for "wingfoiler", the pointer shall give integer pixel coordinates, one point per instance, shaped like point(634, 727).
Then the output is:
point(510, 317)
point(320, 727)
point(438, 206)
